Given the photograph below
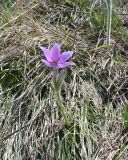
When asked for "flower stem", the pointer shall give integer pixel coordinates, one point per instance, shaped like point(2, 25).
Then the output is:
point(61, 106)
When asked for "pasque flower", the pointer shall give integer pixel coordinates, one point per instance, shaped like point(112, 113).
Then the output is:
point(56, 59)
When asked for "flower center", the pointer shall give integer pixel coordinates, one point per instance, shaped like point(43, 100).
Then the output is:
point(55, 58)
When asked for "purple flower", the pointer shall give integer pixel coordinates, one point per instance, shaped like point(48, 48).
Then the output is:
point(56, 59)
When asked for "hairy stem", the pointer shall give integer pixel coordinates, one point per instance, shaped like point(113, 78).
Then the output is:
point(61, 106)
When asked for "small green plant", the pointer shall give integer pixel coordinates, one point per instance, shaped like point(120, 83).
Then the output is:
point(125, 116)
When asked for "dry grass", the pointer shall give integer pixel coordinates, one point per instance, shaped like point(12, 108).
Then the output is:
point(95, 92)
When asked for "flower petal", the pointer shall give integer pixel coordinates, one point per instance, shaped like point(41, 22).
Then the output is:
point(55, 52)
point(66, 64)
point(49, 64)
point(65, 56)
point(47, 53)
